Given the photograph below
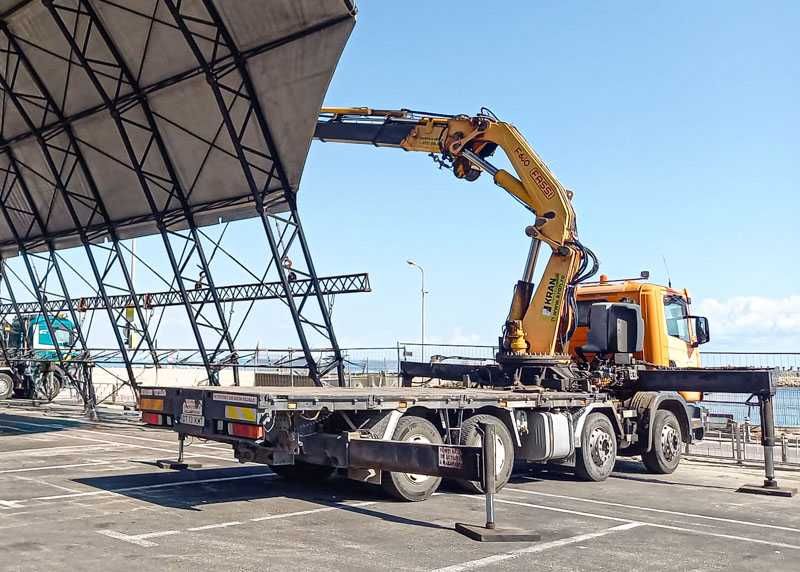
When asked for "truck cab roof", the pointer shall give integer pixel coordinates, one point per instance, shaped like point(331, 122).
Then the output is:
point(600, 289)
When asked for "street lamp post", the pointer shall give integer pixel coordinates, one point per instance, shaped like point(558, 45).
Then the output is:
point(422, 293)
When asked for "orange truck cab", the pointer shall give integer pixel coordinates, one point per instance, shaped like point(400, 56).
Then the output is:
point(672, 335)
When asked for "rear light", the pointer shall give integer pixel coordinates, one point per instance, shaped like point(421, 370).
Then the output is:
point(245, 431)
point(152, 418)
point(148, 404)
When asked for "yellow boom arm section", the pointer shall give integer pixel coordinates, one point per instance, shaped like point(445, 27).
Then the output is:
point(540, 321)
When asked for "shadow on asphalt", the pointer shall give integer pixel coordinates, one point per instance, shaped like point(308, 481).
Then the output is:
point(624, 469)
point(20, 425)
point(248, 483)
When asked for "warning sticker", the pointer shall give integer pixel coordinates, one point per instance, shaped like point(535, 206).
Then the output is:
point(233, 398)
point(158, 392)
point(451, 458)
point(192, 407)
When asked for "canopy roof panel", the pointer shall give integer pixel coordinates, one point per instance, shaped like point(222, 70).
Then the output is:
point(116, 115)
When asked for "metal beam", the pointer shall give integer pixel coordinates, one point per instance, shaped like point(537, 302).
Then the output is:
point(61, 187)
point(14, 309)
point(12, 177)
point(95, 35)
point(330, 285)
point(216, 69)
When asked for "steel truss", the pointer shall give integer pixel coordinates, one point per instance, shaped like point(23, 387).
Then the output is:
point(225, 68)
point(66, 163)
point(71, 186)
point(82, 28)
point(330, 285)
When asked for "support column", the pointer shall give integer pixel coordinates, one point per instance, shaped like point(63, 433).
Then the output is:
point(770, 486)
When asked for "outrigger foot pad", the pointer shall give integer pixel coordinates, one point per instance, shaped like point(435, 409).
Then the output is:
point(176, 465)
point(767, 489)
point(483, 534)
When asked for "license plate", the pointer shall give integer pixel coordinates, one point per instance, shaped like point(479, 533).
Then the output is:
point(197, 420)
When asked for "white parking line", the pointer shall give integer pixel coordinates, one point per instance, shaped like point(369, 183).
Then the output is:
point(694, 531)
point(53, 451)
point(14, 429)
point(148, 447)
point(555, 509)
point(657, 510)
point(310, 511)
point(142, 539)
point(139, 539)
point(7, 504)
point(212, 526)
point(727, 536)
point(72, 428)
point(92, 512)
point(141, 488)
point(45, 483)
point(53, 467)
point(497, 558)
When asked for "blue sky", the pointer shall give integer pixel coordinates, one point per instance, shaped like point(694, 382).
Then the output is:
point(676, 124)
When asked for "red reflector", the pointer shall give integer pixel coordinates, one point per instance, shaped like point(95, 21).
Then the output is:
point(151, 418)
point(246, 431)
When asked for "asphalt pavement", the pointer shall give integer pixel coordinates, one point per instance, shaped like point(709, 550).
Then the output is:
point(79, 495)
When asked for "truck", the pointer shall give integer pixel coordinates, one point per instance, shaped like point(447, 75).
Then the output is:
point(585, 372)
point(38, 376)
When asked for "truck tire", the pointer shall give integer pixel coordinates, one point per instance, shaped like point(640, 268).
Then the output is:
point(408, 486)
point(49, 386)
point(665, 455)
point(594, 460)
point(301, 472)
point(471, 437)
point(6, 386)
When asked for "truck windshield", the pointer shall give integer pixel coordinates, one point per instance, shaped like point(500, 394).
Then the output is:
point(63, 337)
point(675, 311)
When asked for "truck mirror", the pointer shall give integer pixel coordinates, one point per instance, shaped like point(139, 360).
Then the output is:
point(701, 332)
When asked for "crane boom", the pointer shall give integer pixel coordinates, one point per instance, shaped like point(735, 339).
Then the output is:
point(540, 319)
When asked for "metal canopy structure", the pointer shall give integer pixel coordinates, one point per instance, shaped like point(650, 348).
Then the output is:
point(128, 118)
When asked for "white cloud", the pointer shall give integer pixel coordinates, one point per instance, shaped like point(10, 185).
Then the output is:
point(753, 323)
point(458, 336)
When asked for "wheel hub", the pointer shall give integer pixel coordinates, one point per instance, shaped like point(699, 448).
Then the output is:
point(600, 446)
point(414, 477)
point(499, 453)
point(670, 442)
point(5, 385)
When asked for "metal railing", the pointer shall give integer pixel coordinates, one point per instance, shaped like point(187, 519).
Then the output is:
point(786, 404)
point(741, 443)
point(734, 437)
point(789, 361)
point(381, 366)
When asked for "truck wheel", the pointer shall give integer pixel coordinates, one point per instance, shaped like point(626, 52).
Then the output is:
point(409, 486)
point(302, 472)
point(49, 386)
point(595, 458)
point(6, 386)
point(471, 436)
point(665, 455)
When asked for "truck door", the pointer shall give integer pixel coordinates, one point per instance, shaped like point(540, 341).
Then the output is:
point(679, 338)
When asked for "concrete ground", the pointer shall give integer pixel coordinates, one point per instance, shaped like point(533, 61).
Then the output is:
point(77, 495)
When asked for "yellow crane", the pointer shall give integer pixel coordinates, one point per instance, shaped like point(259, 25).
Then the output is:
point(541, 318)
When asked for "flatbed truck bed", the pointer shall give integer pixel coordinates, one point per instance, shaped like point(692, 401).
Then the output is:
point(382, 398)
point(408, 438)
point(306, 433)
